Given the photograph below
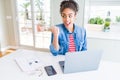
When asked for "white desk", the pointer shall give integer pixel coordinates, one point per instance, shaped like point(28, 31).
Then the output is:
point(10, 71)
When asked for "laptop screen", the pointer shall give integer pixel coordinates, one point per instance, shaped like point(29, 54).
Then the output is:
point(81, 61)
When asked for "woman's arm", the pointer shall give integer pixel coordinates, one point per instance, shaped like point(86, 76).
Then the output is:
point(55, 31)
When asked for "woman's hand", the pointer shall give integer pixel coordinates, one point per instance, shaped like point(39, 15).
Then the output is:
point(55, 31)
point(40, 28)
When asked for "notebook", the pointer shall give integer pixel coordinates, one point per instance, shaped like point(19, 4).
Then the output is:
point(81, 61)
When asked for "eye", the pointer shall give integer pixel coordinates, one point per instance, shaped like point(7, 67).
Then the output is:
point(70, 16)
point(63, 16)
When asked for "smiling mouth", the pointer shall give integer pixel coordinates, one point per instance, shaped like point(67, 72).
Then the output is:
point(67, 23)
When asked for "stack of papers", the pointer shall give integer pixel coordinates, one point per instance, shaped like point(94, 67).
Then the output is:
point(28, 62)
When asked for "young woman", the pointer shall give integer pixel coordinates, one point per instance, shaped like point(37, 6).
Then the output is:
point(68, 37)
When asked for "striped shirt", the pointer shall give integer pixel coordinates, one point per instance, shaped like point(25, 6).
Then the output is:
point(71, 44)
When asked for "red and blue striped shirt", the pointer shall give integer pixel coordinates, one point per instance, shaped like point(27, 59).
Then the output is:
point(71, 43)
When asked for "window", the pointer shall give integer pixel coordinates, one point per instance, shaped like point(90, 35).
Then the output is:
point(104, 9)
point(30, 14)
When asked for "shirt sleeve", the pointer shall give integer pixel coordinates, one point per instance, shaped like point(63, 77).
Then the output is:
point(55, 52)
point(84, 47)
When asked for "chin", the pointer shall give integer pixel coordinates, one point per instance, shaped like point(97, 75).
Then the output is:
point(66, 25)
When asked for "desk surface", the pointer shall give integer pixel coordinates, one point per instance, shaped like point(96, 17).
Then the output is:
point(10, 71)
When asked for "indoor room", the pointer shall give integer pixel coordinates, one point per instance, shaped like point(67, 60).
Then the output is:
point(23, 41)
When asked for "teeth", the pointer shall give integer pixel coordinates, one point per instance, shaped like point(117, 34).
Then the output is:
point(67, 23)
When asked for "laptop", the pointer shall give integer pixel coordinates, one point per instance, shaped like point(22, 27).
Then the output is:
point(81, 61)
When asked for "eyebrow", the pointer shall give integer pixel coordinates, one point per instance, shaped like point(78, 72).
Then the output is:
point(66, 14)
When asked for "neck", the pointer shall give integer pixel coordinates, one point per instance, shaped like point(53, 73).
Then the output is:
point(71, 29)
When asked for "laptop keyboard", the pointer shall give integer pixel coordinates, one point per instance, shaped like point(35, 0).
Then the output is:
point(61, 63)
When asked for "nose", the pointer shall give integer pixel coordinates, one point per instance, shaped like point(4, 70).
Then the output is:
point(67, 18)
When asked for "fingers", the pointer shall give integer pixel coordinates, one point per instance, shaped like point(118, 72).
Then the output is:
point(40, 29)
point(55, 30)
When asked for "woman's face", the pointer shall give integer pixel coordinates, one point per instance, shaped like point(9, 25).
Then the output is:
point(68, 17)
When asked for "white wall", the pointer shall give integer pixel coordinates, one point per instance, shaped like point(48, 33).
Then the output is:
point(105, 2)
point(55, 13)
point(3, 27)
point(9, 21)
point(110, 47)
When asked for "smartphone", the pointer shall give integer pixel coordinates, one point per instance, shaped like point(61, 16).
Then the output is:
point(50, 70)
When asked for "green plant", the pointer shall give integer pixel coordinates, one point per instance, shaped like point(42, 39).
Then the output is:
point(96, 20)
point(91, 21)
point(107, 25)
point(25, 6)
point(108, 19)
point(39, 4)
point(117, 18)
